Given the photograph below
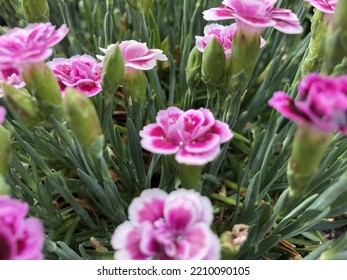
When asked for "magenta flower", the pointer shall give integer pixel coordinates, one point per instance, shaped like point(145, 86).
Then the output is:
point(11, 76)
point(32, 44)
point(137, 56)
point(20, 238)
point(2, 114)
point(223, 34)
point(322, 102)
point(167, 227)
point(81, 72)
point(193, 136)
point(325, 6)
point(253, 16)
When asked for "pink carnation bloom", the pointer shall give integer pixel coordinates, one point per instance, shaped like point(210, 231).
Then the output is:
point(163, 226)
point(223, 34)
point(322, 102)
point(194, 136)
point(81, 72)
point(253, 16)
point(20, 238)
point(2, 114)
point(325, 6)
point(11, 76)
point(32, 44)
point(136, 55)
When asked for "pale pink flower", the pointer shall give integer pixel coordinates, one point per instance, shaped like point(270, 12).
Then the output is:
point(21, 238)
point(325, 6)
point(193, 136)
point(163, 226)
point(81, 72)
point(322, 103)
point(11, 76)
point(2, 114)
point(32, 44)
point(136, 55)
point(223, 34)
point(253, 16)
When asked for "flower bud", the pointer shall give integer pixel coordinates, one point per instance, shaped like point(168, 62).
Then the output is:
point(36, 10)
point(309, 146)
point(5, 150)
point(83, 120)
point(113, 70)
point(193, 69)
point(25, 105)
point(135, 85)
point(233, 240)
point(4, 187)
point(213, 63)
point(336, 38)
point(44, 86)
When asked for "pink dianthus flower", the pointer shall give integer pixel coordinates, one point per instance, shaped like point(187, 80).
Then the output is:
point(11, 76)
point(163, 226)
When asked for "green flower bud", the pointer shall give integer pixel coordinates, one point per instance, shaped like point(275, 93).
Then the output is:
point(82, 118)
point(309, 147)
point(193, 69)
point(36, 10)
point(25, 105)
point(44, 86)
point(5, 150)
point(213, 63)
point(4, 187)
point(315, 56)
point(336, 38)
point(232, 241)
point(135, 85)
point(112, 70)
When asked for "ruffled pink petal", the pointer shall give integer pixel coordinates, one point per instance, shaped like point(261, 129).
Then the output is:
point(326, 6)
point(203, 144)
point(30, 243)
point(223, 130)
point(199, 159)
point(141, 64)
point(218, 14)
point(215, 249)
point(147, 207)
point(125, 241)
point(286, 106)
point(7, 243)
point(286, 21)
point(159, 146)
point(168, 117)
point(148, 244)
point(192, 120)
point(152, 130)
point(198, 240)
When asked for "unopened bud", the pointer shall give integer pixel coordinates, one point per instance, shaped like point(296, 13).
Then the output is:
point(36, 10)
point(25, 105)
point(44, 86)
point(83, 120)
point(112, 70)
point(213, 64)
point(135, 85)
point(232, 240)
point(193, 69)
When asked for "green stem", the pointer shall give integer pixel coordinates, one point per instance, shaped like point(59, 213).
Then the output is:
point(190, 176)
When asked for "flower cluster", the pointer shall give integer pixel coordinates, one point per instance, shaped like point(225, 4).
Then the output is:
point(32, 44)
point(80, 71)
point(167, 226)
point(322, 102)
point(194, 136)
point(20, 238)
point(137, 55)
point(223, 34)
point(256, 15)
